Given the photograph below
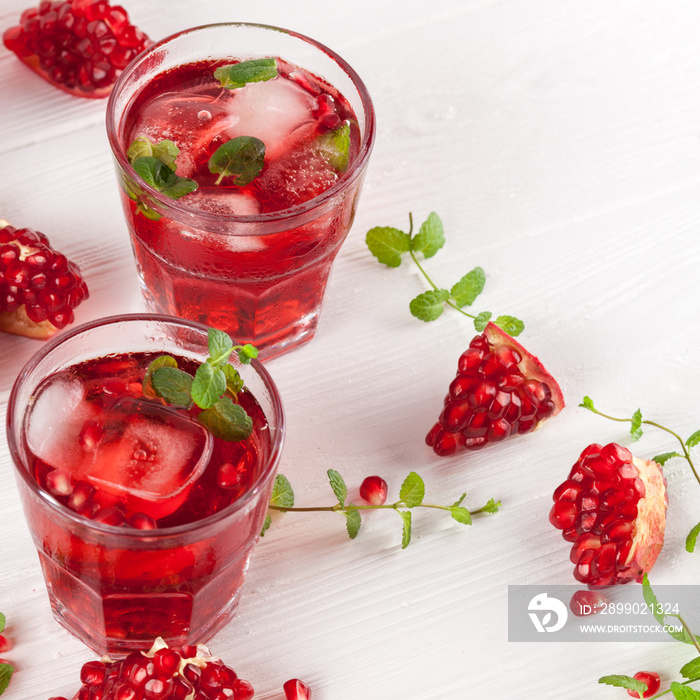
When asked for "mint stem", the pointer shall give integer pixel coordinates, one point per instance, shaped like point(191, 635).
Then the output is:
point(425, 274)
point(386, 506)
point(686, 453)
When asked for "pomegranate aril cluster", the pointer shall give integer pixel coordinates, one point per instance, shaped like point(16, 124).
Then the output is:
point(612, 508)
point(490, 399)
point(79, 45)
point(37, 278)
point(188, 673)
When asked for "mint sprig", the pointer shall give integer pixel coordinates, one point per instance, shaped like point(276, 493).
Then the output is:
point(213, 388)
point(241, 158)
point(411, 496)
point(690, 671)
point(389, 245)
point(237, 75)
point(6, 670)
point(155, 164)
point(636, 431)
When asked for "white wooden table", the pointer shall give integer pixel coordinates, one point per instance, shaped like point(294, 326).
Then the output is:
point(560, 144)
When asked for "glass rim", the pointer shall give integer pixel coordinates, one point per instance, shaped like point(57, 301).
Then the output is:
point(128, 532)
point(355, 168)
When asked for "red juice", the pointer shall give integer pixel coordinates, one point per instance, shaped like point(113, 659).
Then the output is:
point(249, 258)
point(129, 466)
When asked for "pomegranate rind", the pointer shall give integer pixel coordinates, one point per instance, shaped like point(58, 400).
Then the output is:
point(530, 366)
point(648, 538)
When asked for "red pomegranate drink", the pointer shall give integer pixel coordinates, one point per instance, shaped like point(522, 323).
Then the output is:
point(143, 505)
point(240, 150)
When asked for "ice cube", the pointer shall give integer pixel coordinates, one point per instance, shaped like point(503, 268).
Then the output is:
point(55, 420)
point(272, 111)
point(224, 200)
point(149, 456)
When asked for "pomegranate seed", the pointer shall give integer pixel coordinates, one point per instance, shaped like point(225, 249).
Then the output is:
point(90, 435)
point(141, 521)
point(585, 603)
point(93, 673)
point(5, 644)
point(59, 483)
point(228, 476)
point(652, 680)
point(295, 689)
point(374, 490)
point(113, 515)
point(166, 661)
point(242, 690)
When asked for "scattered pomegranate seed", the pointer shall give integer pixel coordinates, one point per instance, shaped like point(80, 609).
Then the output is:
point(651, 679)
point(612, 508)
point(5, 644)
point(584, 603)
point(80, 46)
point(500, 390)
point(374, 490)
point(295, 689)
point(39, 288)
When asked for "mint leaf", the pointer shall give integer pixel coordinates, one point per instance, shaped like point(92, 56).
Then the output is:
point(220, 346)
point(3, 622)
point(6, 671)
point(282, 492)
point(234, 382)
point(147, 384)
point(241, 158)
point(465, 292)
point(636, 427)
point(353, 521)
point(237, 75)
point(691, 670)
point(266, 525)
point(429, 305)
point(208, 385)
point(587, 403)
point(458, 502)
point(511, 325)
point(165, 151)
point(412, 490)
point(663, 458)
point(246, 353)
point(461, 515)
point(338, 485)
point(693, 440)
point(388, 244)
point(172, 384)
point(683, 692)
point(334, 147)
point(692, 538)
point(430, 238)
point(492, 506)
point(227, 420)
point(406, 536)
point(482, 320)
point(159, 176)
point(620, 681)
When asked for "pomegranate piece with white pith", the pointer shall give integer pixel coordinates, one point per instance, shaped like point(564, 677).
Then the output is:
point(500, 390)
point(612, 508)
point(39, 287)
point(188, 673)
point(80, 46)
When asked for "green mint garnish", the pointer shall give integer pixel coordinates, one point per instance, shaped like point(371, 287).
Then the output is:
point(627, 682)
point(6, 671)
point(158, 175)
point(637, 422)
point(239, 74)
point(165, 151)
point(241, 158)
point(334, 147)
point(411, 495)
point(213, 388)
point(389, 245)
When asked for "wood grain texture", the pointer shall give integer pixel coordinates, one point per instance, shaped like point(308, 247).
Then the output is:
point(560, 144)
